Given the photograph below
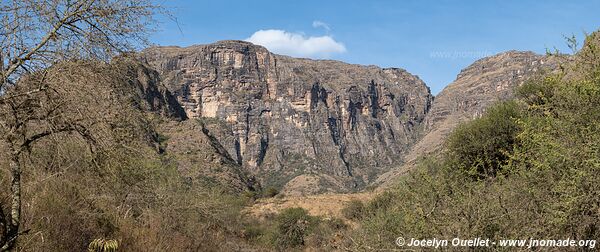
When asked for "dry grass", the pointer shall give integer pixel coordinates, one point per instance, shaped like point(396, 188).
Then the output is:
point(324, 205)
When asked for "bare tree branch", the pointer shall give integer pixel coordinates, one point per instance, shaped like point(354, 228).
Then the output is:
point(36, 35)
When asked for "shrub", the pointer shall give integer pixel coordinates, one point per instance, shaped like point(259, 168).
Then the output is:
point(549, 143)
point(335, 224)
point(480, 147)
point(354, 210)
point(250, 195)
point(537, 91)
point(271, 192)
point(381, 202)
point(327, 235)
point(293, 226)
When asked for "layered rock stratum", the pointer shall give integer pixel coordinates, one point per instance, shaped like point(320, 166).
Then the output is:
point(305, 125)
point(312, 126)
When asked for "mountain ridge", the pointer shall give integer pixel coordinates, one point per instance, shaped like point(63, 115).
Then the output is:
point(338, 120)
point(329, 122)
point(477, 87)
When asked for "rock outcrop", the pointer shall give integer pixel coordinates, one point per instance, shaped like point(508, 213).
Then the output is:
point(146, 89)
point(338, 125)
point(190, 144)
point(476, 87)
point(311, 126)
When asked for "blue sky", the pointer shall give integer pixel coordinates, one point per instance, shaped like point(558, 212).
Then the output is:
point(432, 39)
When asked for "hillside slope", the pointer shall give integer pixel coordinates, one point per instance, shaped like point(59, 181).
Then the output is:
point(476, 87)
point(527, 167)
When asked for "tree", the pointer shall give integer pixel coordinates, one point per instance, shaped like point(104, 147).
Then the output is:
point(35, 35)
point(480, 147)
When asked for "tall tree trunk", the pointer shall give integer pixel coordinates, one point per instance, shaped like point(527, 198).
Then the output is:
point(15, 210)
point(9, 238)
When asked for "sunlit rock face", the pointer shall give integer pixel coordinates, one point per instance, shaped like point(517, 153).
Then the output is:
point(479, 86)
point(284, 117)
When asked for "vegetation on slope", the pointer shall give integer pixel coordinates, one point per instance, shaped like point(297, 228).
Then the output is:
point(86, 163)
point(528, 168)
point(120, 187)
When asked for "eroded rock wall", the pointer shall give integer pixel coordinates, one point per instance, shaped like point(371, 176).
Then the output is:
point(343, 124)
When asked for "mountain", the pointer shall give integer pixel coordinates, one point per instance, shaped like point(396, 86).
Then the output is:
point(312, 126)
point(181, 142)
point(304, 125)
point(476, 87)
point(146, 90)
point(199, 156)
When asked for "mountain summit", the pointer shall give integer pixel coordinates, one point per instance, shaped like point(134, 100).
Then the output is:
point(305, 125)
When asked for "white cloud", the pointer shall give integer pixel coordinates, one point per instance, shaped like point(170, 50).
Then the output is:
point(297, 45)
point(317, 24)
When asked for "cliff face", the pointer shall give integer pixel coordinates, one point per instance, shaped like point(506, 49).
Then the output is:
point(146, 90)
point(319, 124)
point(476, 87)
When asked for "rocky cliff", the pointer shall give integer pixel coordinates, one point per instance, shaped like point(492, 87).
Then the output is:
point(306, 125)
point(146, 90)
point(199, 156)
point(476, 87)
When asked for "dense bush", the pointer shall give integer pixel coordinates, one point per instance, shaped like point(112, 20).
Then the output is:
point(328, 235)
point(119, 188)
point(293, 226)
point(136, 197)
point(482, 146)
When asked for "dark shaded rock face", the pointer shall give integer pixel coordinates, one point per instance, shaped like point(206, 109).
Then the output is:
point(147, 91)
point(296, 120)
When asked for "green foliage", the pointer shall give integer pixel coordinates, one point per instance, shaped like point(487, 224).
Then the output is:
point(480, 147)
point(537, 92)
point(121, 186)
point(253, 195)
point(326, 235)
point(543, 153)
point(271, 192)
point(293, 226)
point(572, 42)
point(139, 199)
point(250, 195)
point(162, 139)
